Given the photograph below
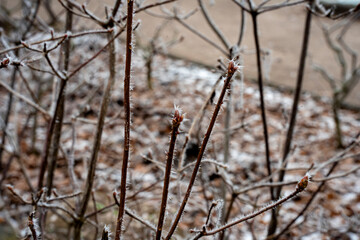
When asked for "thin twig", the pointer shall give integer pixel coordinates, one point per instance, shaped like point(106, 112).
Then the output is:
point(213, 26)
point(289, 136)
point(262, 101)
point(97, 142)
point(202, 36)
point(340, 175)
point(126, 151)
point(26, 100)
point(231, 70)
point(242, 27)
point(60, 198)
point(280, 5)
point(8, 111)
point(31, 225)
point(301, 186)
point(176, 121)
point(73, 35)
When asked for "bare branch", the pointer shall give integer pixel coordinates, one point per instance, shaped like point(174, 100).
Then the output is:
point(213, 25)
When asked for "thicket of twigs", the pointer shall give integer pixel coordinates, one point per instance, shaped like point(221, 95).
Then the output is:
point(86, 118)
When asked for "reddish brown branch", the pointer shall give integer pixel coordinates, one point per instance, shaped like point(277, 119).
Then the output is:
point(120, 218)
point(177, 119)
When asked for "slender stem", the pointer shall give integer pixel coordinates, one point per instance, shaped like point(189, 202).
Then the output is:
point(55, 142)
point(280, 5)
point(227, 213)
point(232, 201)
point(31, 226)
point(32, 19)
point(49, 135)
point(52, 124)
point(58, 117)
point(95, 216)
point(195, 124)
point(294, 110)
point(152, 5)
point(25, 99)
point(98, 53)
point(202, 36)
point(289, 136)
point(213, 26)
point(231, 70)
point(129, 28)
point(262, 102)
point(7, 115)
point(227, 137)
point(116, 8)
point(97, 141)
point(242, 27)
point(335, 109)
point(73, 35)
point(175, 127)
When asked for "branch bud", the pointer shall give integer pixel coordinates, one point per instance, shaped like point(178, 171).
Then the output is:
point(178, 117)
point(302, 184)
point(232, 68)
point(4, 63)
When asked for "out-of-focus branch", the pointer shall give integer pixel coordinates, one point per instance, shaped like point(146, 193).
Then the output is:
point(213, 26)
point(53, 38)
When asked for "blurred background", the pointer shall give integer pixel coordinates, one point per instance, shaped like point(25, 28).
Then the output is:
point(280, 33)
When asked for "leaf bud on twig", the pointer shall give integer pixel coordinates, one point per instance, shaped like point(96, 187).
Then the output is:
point(178, 117)
point(302, 184)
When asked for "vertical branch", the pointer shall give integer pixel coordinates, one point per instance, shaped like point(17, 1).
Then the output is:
point(242, 27)
point(31, 226)
point(32, 18)
point(289, 136)
point(39, 93)
point(55, 142)
point(231, 70)
point(148, 65)
point(129, 28)
point(50, 12)
point(7, 116)
point(97, 141)
point(116, 8)
point(227, 128)
point(177, 119)
point(226, 157)
point(95, 216)
point(254, 15)
point(213, 26)
point(71, 158)
point(49, 134)
point(336, 102)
